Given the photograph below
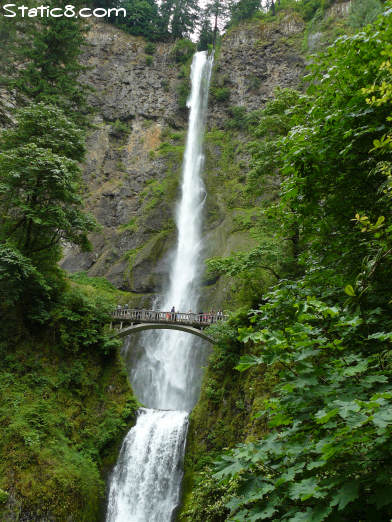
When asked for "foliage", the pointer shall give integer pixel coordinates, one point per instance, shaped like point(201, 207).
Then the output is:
point(243, 10)
point(183, 50)
point(326, 334)
point(63, 417)
point(307, 9)
point(240, 119)
point(220, 94)
point(50, 49)
point(3, 496)
point(227, 349)
point(183, 91)
point(206, 36)
point(213, 17)
point(20, 281)
point(65, 400)
point(119, 128)
point(179, 17)
point(47, 127)
point(330, 417)
point(210, 501)
point(242, 262)
point(79, 320)
point(156, 21)
point(364, 12)
point(39, 191)
point(150, 48)
point(142, 18)
point(267, 126)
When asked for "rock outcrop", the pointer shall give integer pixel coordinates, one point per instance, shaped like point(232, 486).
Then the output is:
point(255, 58)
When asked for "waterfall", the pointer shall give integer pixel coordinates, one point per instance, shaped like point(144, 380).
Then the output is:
point(166, 377)
point(147, 478)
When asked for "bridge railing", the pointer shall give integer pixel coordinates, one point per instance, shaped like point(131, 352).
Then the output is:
point(126, 314)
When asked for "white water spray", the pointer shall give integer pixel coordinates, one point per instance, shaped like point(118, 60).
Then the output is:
point(146, 481)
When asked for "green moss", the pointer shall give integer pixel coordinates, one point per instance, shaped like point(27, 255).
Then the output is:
point(63, 418)
point(132, 225)
point(223, 172)
point(130, 255)
point(183, 91)
point(164, 191)
point(99, 286)
point(148, 253)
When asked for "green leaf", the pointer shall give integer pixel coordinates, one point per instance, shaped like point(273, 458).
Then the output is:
point(317, 514)
point(347, 493)
point(322, 416)
point(383, 417)
point(247, 361)
point(306, 489)
point(349, 290)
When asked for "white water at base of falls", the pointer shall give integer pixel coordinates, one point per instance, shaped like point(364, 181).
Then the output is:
point(166, 376)
point(147, 477)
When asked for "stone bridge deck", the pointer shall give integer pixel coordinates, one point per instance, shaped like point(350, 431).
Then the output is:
point(199, 321)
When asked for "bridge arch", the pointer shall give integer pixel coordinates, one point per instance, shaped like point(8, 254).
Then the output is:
point(124, 332)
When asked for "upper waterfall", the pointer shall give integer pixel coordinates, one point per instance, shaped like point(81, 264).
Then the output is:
point(183, 291)
point(167, 375)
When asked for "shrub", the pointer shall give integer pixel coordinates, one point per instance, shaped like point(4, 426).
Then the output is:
point(119, 127)
point(149, 60)
point(220, 94)
point(150, 48)
point(183, 50)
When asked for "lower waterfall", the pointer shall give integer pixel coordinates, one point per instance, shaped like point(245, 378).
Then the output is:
point(147, 478)
point(146, 483)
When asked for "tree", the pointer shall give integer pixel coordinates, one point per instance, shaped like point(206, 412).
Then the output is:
point(243, 10)
point(40, 200)
point(142, 18)
point(215, 11)
point(207, 35)
point(50, 49)
point(179, 17)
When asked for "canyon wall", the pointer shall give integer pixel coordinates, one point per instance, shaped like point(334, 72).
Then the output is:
point(136, 143)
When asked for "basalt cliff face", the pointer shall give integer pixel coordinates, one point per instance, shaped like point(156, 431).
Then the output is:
point(136, 144)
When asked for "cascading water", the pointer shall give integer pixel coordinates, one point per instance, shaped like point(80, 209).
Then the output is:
point(145, 486)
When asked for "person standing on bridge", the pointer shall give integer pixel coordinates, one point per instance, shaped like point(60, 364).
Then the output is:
point(173, 314)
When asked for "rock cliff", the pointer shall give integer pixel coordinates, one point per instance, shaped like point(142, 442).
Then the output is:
point(136, 143)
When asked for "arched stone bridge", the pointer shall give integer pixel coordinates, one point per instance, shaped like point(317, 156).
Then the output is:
point(131, 321)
